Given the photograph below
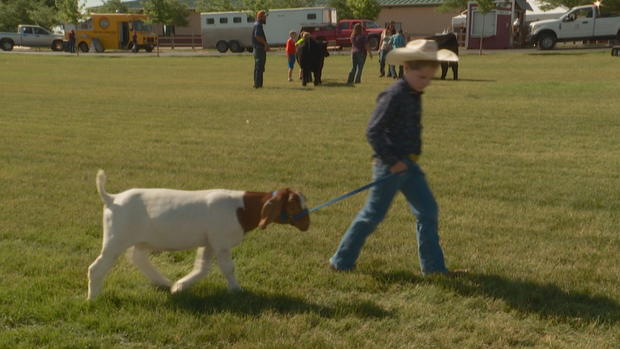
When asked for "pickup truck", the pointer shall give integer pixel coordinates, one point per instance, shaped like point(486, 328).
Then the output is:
point(578, 24)
point(340, 33)
point(33, 36)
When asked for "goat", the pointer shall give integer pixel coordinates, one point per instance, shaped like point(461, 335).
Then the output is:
point(214, 221)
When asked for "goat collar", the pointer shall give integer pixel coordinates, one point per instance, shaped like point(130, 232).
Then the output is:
point(284, 216)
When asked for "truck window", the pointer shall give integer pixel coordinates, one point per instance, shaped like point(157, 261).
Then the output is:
point(311, 16)
point(236, 19)
point(40, 31)
point(223, 20)
point(210, 20)
point(27, 30)
point(371, 24)
point(343, 25)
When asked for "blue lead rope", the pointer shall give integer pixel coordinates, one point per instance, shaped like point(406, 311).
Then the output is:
point(344, 196)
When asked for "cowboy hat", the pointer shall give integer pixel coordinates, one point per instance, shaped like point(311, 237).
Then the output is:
point(420, 50)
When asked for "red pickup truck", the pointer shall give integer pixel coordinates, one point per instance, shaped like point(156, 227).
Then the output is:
point(340, 34)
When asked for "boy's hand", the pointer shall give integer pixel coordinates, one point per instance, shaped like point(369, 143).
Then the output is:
point(398, 167)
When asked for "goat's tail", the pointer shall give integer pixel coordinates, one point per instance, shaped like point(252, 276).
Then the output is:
point(105, 197)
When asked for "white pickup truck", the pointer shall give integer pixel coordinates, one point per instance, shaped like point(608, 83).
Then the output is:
point(578, 24)
point(33, 36)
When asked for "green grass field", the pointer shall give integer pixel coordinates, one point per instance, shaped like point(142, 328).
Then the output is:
point(523, 155)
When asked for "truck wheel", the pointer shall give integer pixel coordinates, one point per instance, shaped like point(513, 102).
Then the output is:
point(546, 41)
point(235, 46)
point(221, 46)
point(57, 45)
point(373, 43)
point(149, 48)
point(83, 47)
point(7, 45)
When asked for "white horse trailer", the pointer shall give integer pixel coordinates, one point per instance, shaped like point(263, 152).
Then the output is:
point(233, 30)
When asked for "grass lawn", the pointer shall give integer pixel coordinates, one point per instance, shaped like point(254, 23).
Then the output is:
point(523, 155)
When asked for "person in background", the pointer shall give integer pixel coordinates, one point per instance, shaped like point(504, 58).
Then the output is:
point(290, 53)
point(384, 48)
point(260, 45)
point(359, 50)
point(72, 41)
point(397, 41)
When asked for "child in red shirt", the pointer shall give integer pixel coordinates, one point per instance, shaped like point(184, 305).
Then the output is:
point(290, 53)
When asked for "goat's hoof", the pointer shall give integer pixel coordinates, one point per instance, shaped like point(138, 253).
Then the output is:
point(176, 288)
point(235, 289)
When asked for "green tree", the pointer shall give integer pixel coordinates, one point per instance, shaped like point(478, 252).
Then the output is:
point(364, 9)
point(112, 6)
point(169, 12)
point(342, 8)
point(215, 5)
point(69, 11)
point(15, 12)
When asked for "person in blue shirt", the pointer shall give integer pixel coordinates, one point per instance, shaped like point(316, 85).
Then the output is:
point(397, 41)
point(394, 133)
point(260, 45)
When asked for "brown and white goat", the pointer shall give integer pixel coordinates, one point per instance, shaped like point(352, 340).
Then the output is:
point(214, 221)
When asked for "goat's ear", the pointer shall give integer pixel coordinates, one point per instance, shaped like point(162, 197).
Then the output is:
point(271, 209)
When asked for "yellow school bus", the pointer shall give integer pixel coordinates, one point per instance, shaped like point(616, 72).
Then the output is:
point(114, 31)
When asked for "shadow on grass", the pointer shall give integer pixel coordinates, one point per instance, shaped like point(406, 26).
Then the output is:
point(464, 80)
point(558, 54)
point(255, 303)
point(545, 300)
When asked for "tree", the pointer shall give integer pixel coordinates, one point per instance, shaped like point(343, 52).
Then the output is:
point(484, 7)
point(215, 6)
point(112, 6)
point(69, 11)
point(167, 12)
point(364, 9)
point(342, 8)
point(15, 12)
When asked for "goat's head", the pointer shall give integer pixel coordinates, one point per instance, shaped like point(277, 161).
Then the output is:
point(285, 207)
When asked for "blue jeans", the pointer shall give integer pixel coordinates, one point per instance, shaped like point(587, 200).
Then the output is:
point(358, 59)
point(382, 55)
point(260, 57)
point(423, 205)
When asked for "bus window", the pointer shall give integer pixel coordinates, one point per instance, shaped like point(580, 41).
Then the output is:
point(236, 19)
point(311, 16)
point(210, 21)
point(223, 20)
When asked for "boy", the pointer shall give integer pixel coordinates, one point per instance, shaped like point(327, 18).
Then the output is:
point(290, 53)
point(394, 133)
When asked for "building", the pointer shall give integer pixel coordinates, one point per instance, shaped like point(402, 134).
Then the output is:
point(418, 18)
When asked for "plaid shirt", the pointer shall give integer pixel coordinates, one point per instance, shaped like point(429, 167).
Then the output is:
point(395, 128)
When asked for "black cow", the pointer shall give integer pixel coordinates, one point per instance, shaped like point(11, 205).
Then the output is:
point(448, 42)
point(311, 56)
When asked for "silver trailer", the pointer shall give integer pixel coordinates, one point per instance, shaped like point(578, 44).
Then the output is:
point(233, 30)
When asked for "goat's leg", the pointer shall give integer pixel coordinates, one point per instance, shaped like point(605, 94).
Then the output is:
point(139, 257)
point(97, 270)
point(204, 256)
point(224, 260)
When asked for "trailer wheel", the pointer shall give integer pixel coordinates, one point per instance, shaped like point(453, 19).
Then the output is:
point(373, 43)
point(221, 46)
point(57, 45)
point(149, 48)
point(83, 47)
point(6, 44)
point(235, 46)
point(546, 41)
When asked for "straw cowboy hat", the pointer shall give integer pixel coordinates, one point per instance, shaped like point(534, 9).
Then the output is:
point(420, 50)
